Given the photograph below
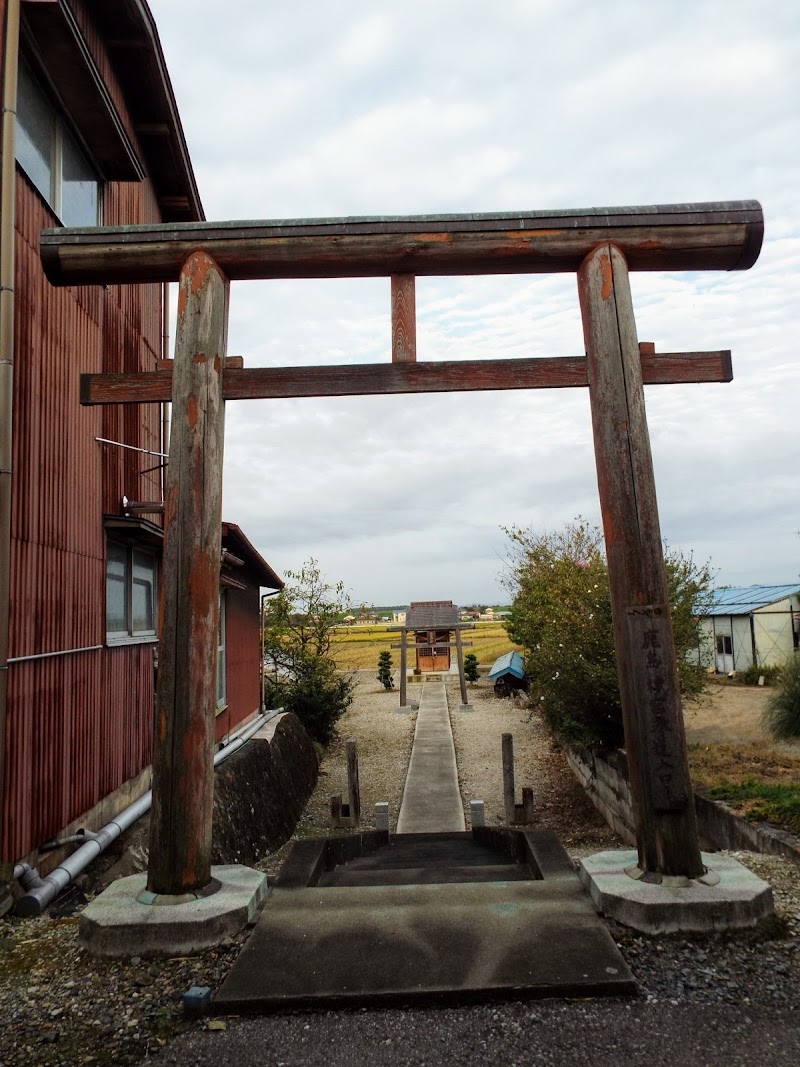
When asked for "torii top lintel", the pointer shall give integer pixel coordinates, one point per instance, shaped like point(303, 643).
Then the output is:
point(704, 236)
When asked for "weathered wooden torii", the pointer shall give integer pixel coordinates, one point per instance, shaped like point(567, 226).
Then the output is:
point(601, 245)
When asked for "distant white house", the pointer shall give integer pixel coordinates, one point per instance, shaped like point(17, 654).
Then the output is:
point(753, 625)
point(399, 617)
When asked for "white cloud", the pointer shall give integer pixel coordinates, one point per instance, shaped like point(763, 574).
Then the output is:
point(334, 108)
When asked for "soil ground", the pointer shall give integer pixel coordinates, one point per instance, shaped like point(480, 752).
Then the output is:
point(728, 714)
point(728, 743)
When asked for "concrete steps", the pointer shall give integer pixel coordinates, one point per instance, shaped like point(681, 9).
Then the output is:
point(428, 859)
point(427, 875)
point(368, 918)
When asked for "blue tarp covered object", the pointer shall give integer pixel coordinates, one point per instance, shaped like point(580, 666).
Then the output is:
point(512, 663)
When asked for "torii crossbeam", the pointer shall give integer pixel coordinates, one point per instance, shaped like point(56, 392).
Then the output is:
point(601, 246)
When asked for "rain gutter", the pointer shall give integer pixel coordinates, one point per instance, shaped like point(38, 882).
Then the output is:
point(8, 189)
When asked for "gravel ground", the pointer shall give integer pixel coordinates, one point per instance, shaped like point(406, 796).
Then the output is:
point(561, 805)
point(713, 1000)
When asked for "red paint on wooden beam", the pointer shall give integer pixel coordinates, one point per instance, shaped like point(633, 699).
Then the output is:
point(404, 319)
point(180, 824)
point(559, 372)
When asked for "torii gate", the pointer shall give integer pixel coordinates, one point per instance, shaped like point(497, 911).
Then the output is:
point(601, 245)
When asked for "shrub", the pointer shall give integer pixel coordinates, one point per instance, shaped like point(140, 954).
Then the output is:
point(561, 615)
point(782, 713)
point(752, 675)
point(385, 670)
point(471, 667)
point(318, 695)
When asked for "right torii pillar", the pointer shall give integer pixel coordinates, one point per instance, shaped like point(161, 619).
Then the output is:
point(655, 740)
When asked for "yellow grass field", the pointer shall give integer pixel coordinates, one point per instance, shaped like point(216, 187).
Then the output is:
point(357, 647)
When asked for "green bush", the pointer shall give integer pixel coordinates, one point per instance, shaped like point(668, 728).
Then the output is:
point(385, 670)
point(782, 713)
point(318, 695)
point(471, 672)
point(752, 675)
point(561, 615)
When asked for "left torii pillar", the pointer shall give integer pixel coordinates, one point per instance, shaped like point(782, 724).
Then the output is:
point(183, 756)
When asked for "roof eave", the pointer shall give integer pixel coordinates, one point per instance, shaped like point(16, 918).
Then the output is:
point(131, 35)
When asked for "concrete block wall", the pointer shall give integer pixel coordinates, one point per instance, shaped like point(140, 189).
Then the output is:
point(606, 785)
point(607, 788)
point(260, 791)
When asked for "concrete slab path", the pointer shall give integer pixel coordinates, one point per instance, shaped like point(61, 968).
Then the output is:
point(431, 798)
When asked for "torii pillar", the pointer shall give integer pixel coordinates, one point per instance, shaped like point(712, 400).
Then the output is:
point(655, 742)
point(183, 749)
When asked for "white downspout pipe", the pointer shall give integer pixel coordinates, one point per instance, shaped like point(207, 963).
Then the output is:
point(44, 891)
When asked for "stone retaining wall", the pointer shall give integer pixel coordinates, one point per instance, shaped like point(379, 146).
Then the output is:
point(261, 790)
point(606, 785)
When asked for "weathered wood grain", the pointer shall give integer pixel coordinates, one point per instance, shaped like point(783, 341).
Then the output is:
point(403, 670)
point(709, 236)
point(654, 737)
point(437, 644)
point(509, 802)
point(404, 318)
point(462, 681)
point(556, 372)
point(180, 822)
point(353, 784)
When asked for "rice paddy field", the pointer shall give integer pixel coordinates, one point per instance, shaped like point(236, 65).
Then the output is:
point(357, 647)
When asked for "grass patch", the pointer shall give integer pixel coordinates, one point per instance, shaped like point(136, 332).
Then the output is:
point(757, 781)
point(778, 804)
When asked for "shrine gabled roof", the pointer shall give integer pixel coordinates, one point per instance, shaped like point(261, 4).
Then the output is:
point(432, 615)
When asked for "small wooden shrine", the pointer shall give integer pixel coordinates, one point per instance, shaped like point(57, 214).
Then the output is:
point(432, 622)
point(436, 629)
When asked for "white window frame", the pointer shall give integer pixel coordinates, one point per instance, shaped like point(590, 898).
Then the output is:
point(60, 126)
point(222, 680)
point(130, 636)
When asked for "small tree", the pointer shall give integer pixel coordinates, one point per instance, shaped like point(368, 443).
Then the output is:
point(471, 667)
point(385, 670)
point(782, 713)
point(298, 629)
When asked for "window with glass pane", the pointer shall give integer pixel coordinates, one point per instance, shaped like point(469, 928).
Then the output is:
point(36, 134)
point(221, 697)
point(51, 157)
point(143, 620)
point(78, 185)
point(116, 590)
point(130, 593)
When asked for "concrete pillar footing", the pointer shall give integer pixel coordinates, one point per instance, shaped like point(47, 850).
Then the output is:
point(117, 923)
point(727, 897)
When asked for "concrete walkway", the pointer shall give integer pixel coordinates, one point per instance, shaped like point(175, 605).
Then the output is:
point(431, 798)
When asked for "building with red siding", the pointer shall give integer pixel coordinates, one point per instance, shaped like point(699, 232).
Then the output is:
point(98, 141)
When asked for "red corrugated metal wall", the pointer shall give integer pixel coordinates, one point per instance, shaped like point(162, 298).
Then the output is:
point(242, 657)
point(72, 738)
point(78, 725)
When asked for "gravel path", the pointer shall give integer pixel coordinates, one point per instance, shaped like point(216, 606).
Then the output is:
point(712, 1001)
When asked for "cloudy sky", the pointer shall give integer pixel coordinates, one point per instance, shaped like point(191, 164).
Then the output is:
point(344, 107)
